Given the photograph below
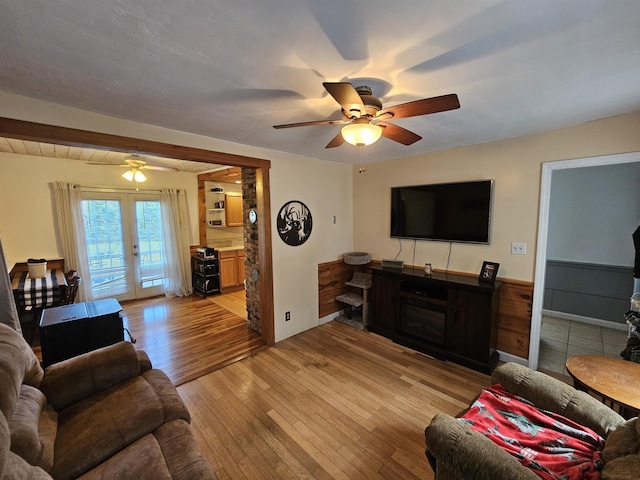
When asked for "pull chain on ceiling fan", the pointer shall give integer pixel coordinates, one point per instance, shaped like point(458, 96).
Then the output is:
point(364, 118)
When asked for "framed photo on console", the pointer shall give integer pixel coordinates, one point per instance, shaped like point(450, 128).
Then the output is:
point(489, 271)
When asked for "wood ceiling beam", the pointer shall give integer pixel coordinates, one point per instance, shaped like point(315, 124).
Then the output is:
point(72, 137)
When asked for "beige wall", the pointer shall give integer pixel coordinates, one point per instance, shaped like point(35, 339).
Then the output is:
point(325, 187)
point(26, 200)
point(514, 164)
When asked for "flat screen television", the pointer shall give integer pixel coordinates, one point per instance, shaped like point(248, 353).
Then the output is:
point(452, 212)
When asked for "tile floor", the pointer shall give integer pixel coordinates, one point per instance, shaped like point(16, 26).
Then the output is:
point(560, 339)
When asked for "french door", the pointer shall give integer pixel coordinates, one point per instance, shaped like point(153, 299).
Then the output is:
point(125, 245)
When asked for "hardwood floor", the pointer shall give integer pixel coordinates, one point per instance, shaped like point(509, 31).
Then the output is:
point(235, 302)
point(331, 402)
point(187, 337)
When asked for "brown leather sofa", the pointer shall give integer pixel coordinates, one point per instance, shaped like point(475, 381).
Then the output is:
point(102, 415)
point(457, 452)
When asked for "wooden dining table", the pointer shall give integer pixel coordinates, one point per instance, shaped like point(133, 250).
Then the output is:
point(41, 292)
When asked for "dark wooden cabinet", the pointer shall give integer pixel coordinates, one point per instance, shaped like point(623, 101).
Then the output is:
point(384, 299)
point(472, 329)
point(450, 317)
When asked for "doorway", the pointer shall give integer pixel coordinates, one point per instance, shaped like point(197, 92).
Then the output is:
point(74, 137)
point(543, 234)
point(125, 247)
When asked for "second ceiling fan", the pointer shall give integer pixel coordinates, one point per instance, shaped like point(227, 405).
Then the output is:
point(365, 119)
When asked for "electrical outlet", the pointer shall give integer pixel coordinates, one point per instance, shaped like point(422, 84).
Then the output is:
point(518, 248)
point(287, 316)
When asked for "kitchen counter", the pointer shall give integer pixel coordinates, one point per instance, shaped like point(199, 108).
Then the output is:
point(229, 249)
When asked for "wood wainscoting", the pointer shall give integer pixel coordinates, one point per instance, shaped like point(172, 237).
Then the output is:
point(514, 321)
point(331, 278)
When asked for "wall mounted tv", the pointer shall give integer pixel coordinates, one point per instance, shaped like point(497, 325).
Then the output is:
point(451, 212)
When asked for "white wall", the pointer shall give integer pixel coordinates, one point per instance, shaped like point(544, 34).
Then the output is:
point(596, 210)
point(325, 187)
point(515, 164)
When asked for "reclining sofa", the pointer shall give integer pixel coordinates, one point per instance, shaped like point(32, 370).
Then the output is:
point(456, 452)
point(106, 414)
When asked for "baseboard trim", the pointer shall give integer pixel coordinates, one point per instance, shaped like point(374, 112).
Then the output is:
point(591, 321)
point(329, 318)
point(508, 357)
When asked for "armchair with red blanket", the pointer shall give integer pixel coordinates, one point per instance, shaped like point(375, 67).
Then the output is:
point(508, 433)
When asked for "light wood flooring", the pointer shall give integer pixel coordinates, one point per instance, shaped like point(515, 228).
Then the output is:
point(331, 402)
point(187, 337)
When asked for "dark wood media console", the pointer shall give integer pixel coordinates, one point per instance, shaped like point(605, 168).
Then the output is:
point(450, 317)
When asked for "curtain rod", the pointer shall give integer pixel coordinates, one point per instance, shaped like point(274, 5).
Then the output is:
point(93, 188)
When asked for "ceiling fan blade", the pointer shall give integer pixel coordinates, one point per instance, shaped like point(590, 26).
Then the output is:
point(108, 164)
point(336, 141)
point(421, 107)
point(398, 134)
point(158, 167)
point(317, 122)
point(347, 97)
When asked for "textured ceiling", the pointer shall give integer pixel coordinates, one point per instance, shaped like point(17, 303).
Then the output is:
point(232, 69)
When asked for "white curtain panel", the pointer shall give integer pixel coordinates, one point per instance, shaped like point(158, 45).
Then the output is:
point(68, 202)
point(175, 221)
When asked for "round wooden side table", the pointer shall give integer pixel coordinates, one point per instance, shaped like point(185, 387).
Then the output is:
point(616, 380)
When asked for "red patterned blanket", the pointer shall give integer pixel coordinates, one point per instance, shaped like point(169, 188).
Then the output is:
point(552, 446)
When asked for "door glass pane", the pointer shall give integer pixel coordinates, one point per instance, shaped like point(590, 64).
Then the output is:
point(105, 247)
point(150, 243)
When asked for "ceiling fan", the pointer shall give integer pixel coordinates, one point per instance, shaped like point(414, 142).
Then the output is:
point(134, 165)
point(365, 119)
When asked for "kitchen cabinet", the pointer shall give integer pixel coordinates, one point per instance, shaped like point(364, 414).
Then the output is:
point(223, 209)
point(233, 210)
point(231, 268)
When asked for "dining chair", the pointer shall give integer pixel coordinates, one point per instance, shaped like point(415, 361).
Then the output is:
point(70, 274)
point(73, 284)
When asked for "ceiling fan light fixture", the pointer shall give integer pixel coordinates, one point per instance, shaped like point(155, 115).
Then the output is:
point(134, 174)
point(138, 176)
point(361, 133)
